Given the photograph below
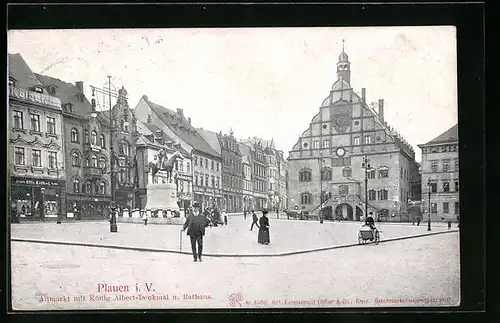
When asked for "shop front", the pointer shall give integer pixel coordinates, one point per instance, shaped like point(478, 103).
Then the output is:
point(34, 198)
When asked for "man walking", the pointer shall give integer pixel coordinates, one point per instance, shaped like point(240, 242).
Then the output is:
point(195, 225)
point(255, 220)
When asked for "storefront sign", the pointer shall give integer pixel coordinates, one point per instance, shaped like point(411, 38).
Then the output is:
point(34, 97)
point(34, 182)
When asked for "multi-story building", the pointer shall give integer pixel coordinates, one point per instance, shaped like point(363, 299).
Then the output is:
point(247, 190)
point(440, 176)
point(36, 145)
point(327, 162)
point(206, 161)
point(86, 144)
point(232, 173)
point(217, 199)
point(150, 141)
point(259, 174)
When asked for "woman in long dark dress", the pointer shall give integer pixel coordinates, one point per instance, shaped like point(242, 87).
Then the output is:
point(264, 229)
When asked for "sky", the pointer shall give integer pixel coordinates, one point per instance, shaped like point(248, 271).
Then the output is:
point(264, 82)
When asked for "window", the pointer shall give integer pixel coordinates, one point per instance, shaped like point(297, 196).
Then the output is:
point(75, 159)
point(176, 165)
point(19, 156)
point(457, 208)
point(12, 81)
point(383, 172)
point(201, 180)
point(35, 122)
point(356, 141)
point(87, 188)
point(87, 162)
point(36, 156)
point(51, 125)
point(52, 159)
point(86, 137)
point(94, 161)
point(401, 171)
point(93, 138)
point(434, 208)
point(213, 181)
point(434, 166)
point(76, 185)
point(446, 187)
point(343, 189)
point(206, 163)
point(102, 163)
point(305, 175)
point(18, 120)
point(38, 89)
point(218, 181)
point(456, 164)
point(370, 173)
point(102, 188)
point(195, 179)
point(124, 149)
point(188, 167)
point(305, 198)
point(347, 172)
point(217, 166)
point(212, 164)
point(326, 143)
point(433, 187)
point(457, 186)
point(368, 140)
point(446, 207)
point(195, 160)
point(446, 165)
point(326, 174)
point(372, 196)
point(102, 141)
point(206, 180)
point(74, 135)
point(315, 144)
point(341, 161)
point(383, 194)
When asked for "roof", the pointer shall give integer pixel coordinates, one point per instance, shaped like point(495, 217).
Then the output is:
point(182, 128)
point(153, 129)
point(450, 135)
point(67, 93)
point(21, 72)
point(343, 57)
point(211, 138)
point(341, 84)
point(246, 151)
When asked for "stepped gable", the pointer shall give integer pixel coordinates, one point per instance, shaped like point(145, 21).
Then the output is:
point(178, 124)
point(450, 135)
point(67, 93)
point(21, 72)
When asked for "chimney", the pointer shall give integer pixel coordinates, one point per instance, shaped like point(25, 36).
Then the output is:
point(79, 86)
point(180, 112)
point(145, 97)
point(363, 95)
point(189, 120)
point(381, 109)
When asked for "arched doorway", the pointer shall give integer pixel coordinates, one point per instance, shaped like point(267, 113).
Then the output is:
point(327, 213)
point(359, 213)
point(344, 211)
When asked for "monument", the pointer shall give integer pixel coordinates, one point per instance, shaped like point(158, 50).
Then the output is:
point(162, 190)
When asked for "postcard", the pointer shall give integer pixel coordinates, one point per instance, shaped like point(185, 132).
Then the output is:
point(224, 168)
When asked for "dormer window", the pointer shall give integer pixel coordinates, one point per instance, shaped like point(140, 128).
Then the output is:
point(38, 89)
point(68, 107)
point(12, 81)
point(79, 96)
point(51, 89)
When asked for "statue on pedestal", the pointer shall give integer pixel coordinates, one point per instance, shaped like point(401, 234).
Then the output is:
point(165, 164)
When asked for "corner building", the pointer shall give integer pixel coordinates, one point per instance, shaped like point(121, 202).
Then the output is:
point(326, 163)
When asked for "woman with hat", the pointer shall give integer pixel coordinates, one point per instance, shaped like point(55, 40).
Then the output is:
point(263, 237)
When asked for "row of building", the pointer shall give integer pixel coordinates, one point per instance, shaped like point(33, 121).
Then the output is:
point(349, 155)
point(67, 152)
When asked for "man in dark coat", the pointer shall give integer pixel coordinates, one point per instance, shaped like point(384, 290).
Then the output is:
point(263, 237)
point(195, 225)
point(254, 220)
point(369, 221)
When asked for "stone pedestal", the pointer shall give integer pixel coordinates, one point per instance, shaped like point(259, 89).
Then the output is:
point(162, 197)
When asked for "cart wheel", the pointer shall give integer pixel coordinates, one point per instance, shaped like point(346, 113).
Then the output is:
point(377, 237)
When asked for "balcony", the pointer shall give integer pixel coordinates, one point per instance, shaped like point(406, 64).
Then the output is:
point(91, 147)
point(92, 172)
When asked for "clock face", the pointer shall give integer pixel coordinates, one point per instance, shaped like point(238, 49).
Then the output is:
point(340, 152)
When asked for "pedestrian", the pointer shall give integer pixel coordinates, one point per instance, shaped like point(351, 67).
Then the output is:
point(224, 216)
point(263, 237)
point(419, 219)
point(195, 225)
point(254, 220)
point(245, 214)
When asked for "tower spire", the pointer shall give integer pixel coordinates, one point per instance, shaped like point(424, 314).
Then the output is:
point(343, 45)
point(344, 66)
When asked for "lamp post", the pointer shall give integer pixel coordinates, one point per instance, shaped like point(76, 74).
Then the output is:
point(366, 165)
point(111, 93)
point(429, 220)
point(42, 206)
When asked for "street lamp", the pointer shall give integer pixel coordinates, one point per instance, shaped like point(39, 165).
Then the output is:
point(429, 220)
point(366, 165)
point(110, 93)
point(42, 207)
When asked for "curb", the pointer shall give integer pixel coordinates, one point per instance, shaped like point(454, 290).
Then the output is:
point(291, 253)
